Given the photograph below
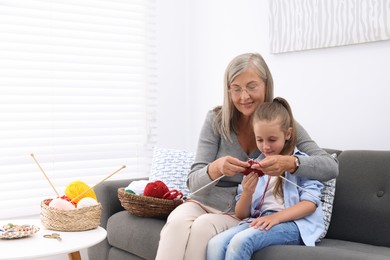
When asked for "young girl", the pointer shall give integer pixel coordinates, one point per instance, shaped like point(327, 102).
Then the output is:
point(273, 211)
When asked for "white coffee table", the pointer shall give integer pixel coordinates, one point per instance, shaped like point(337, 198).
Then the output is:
point(36, 246)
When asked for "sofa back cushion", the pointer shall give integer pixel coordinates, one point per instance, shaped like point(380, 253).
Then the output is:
point(361, 208)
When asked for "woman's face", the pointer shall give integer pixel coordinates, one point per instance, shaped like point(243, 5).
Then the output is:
point(247, 92)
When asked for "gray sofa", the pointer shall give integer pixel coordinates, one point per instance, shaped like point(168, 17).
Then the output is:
point(359, 228)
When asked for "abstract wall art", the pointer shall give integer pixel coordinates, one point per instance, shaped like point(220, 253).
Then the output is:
point(309, 24)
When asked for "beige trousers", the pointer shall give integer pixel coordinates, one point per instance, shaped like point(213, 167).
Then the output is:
point(188, 229)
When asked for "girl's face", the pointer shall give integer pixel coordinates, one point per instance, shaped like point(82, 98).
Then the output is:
point(247, 92)
point(270, 138)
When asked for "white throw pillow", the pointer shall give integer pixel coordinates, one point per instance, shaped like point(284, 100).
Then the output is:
point(171, 166)
point(327, 205)
point(327, 196)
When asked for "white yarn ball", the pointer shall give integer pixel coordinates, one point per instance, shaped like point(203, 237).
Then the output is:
point(86, 202)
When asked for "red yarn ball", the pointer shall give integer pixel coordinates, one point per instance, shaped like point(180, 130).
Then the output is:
point(156, 189)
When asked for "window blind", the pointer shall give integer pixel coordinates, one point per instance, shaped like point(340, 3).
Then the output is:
point(77, 90)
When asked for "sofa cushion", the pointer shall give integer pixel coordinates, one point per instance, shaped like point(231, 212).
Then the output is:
point(118, 254)
point(171, 166)
point(380, 251)
point(361, 211)
point(137, 235)
point(327, 249)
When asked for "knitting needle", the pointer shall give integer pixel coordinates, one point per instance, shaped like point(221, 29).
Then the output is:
point(51, 184)
point(308, 192)
point(201, 188)
point(81, 194)
point(220, 177)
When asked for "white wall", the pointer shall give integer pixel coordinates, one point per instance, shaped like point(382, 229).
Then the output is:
point(340, 95)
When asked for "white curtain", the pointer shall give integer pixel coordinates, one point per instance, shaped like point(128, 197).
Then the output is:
point(77, 90)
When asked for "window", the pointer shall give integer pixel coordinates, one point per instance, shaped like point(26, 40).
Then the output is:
point(77, 90)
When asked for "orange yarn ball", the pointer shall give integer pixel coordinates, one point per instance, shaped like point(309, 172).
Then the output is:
point(74, 189)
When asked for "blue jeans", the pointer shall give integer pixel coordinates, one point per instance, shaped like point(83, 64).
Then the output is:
point(241, 241)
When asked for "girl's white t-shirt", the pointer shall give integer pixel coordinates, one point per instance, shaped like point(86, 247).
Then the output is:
point(270, 202)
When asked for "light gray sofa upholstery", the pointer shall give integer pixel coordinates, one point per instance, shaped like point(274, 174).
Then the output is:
point(359, 229)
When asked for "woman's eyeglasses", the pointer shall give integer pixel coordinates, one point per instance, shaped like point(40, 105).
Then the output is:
point(237, 91)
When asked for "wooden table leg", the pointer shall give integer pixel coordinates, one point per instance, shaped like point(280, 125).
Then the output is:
point(74, 255)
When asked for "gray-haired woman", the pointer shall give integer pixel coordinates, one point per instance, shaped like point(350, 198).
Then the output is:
point(225, 144)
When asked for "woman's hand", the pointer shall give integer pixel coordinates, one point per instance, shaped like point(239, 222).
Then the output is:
point(227, 165)
point(275, 165)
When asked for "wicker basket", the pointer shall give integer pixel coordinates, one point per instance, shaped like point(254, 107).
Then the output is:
point(70, 220)
point(145, 206)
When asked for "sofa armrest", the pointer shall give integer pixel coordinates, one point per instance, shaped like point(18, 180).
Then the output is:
point(107, 195)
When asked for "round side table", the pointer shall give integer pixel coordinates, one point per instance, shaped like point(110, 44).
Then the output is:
point(37, 245)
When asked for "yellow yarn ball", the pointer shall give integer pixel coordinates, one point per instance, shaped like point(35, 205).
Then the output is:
point(74, 189)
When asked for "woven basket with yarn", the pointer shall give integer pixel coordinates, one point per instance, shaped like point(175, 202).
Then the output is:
point(145, 206)
point(70, 220)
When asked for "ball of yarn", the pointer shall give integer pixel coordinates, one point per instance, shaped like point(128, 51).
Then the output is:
point(61, 204)
point(86, 202)
point(64, 197)
point(156, 189)
point(76, 188)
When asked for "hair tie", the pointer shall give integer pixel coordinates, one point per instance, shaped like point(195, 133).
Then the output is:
point(281, 102)
point(276, 100)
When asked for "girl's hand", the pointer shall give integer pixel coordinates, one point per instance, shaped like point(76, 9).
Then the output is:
point(265, 222)
point(275, 165)
point(229, 166)
point(249, 183)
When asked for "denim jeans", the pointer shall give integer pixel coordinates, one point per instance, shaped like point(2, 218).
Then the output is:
point(241, 241)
